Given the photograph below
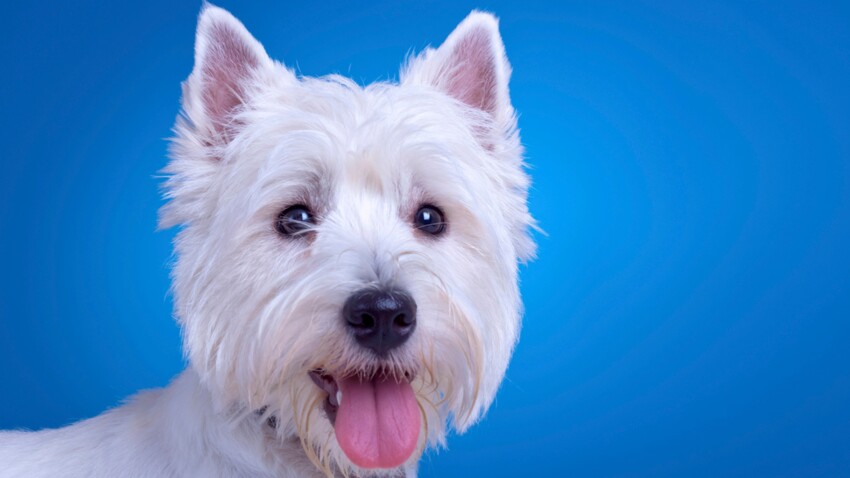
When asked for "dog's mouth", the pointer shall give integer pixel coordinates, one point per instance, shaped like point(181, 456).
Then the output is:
point(376, 419)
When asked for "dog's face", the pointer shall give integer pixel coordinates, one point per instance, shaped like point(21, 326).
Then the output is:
point(348, 257)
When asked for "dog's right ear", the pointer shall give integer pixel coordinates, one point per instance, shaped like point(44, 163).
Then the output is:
point(228, 61)
point(229, 66)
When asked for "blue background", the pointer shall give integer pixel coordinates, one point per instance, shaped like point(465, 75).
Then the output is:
point(689, 312)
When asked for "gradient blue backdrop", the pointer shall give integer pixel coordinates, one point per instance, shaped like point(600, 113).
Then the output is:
point(689, 311)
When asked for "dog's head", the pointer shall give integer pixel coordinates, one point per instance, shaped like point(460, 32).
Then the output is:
point(348, 255)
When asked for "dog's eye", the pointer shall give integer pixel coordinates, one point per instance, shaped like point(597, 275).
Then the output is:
point(294, 219)
point(429, 220)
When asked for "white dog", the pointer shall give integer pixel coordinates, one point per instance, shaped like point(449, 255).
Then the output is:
point(346, 274)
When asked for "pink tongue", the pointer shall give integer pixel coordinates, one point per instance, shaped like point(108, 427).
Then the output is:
point(377, 424)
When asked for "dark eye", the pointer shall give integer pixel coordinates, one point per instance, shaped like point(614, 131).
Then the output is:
point(294, 219)
point(429, 220)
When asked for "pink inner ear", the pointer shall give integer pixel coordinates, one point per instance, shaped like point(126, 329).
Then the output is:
point(473, 75)
point(228, 63)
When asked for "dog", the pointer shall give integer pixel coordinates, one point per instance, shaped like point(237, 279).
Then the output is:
point(345, 271)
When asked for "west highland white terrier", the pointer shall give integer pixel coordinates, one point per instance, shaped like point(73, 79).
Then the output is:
point(346, 269)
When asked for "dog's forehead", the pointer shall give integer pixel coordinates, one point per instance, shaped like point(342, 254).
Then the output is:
point(382, 138)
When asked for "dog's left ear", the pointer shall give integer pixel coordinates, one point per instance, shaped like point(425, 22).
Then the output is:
point(469, 66)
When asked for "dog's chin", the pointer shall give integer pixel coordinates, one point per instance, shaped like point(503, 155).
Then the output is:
point(376, 417)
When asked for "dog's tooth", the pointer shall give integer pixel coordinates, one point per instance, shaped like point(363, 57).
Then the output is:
point(339, 397)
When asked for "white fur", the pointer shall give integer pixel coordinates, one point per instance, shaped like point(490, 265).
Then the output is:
point(259, 311)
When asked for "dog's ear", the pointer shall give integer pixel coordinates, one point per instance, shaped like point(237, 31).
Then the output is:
point(469, 66)
point(227, 60)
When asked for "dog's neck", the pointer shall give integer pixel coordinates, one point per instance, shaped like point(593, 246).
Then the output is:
point(245, 447)
point(248, 446)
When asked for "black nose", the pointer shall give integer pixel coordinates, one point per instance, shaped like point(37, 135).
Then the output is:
point(380, 320)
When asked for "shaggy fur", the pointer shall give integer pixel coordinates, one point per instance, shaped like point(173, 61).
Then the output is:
point(260, 311)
